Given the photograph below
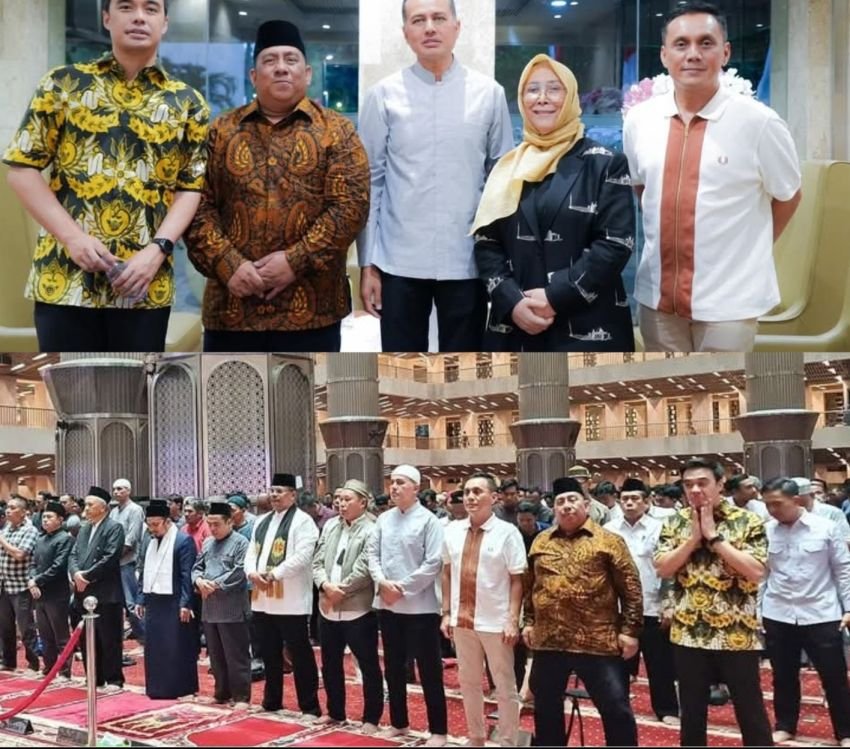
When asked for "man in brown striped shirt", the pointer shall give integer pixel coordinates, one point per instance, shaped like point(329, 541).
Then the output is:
point(583, 613)
point(483, 562)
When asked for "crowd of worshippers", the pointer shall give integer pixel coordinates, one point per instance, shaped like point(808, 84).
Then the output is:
point(519, 242)
point(704, 578)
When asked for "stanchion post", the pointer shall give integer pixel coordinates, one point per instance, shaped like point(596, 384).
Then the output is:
point(90, 604)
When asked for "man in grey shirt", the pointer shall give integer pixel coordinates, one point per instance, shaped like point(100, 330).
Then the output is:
point(219, 577)
point(405, 558)
point(432, 132)
point(132, 518)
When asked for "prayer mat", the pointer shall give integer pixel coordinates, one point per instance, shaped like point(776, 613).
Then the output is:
point(246, 732)
point(163, 721)
point(341, 737)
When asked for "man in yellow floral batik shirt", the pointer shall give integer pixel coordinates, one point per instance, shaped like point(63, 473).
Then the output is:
point(287, 192)
point(716, 553)
point(125, 147)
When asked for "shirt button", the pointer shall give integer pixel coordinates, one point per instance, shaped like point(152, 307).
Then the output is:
point(272, 161)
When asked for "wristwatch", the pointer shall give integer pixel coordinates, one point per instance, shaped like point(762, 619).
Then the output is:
point(166, 245)
point(716, 539)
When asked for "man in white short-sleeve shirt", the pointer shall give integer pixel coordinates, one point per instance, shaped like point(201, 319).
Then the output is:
point(719, 179)
point(483, 562)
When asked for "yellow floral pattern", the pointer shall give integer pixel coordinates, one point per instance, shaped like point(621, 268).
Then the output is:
point(714, 607)
point(117, 151)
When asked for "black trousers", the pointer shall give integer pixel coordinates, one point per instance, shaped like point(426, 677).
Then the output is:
point(109, 638)
point(16, 618)
point(52, 617)
point(66, 328)
point(418, 634)
point(696, 668)
point(275, 631)
point(825, 648)
point(658, 657)
point(602, 676)
point(229, 648)
point(246, 341)
point(361, 635)
point(406, 310)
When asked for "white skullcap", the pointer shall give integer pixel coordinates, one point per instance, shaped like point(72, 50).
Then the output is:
point(409, 472)
point(804, 486)
point(121, 484)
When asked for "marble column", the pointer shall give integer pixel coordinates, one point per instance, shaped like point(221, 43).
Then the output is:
point(102, 430)
point(354, 431)
point(545, 435)
point(777, 429)
point(32, 40)
point(808, 66)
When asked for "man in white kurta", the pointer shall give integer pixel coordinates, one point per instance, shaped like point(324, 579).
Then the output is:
point(278, 564)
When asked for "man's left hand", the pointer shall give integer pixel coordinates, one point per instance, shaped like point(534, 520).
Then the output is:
point(186, 615)
point(845, 621)
point(510, 633)
point(333, 593)
point(276, 273)
point(628, 646)
point(139, 271)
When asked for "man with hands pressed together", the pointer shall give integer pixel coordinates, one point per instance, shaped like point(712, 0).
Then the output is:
point(483, 562)
point(716, 553)
point(583, 612)
point(287, 192)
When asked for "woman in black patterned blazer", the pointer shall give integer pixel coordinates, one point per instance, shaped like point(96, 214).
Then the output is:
point(555, 229)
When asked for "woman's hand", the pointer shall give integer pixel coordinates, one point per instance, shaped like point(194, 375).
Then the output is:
point(539, 295)
point(528, 316)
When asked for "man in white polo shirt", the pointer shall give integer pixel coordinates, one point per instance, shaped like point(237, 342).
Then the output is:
point(483, 563)
point(719, 179)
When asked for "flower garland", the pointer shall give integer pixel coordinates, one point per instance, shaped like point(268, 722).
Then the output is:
point(661, 84)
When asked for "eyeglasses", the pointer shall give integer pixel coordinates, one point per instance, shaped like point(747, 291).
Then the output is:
point(552, 91)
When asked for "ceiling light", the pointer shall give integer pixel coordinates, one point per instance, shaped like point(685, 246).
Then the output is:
point(329, 57)
point(558, 15)
point(28, 455)
point(243, 12)
point(17, 367)
point(326, 26)
point(558, 3)
point(39, 357)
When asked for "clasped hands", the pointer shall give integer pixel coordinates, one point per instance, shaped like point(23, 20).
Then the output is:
point(533, 314)
point(261, 580)
point(265, 278)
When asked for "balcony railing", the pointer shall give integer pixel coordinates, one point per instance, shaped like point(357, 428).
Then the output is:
point(598, 434)
point(487, 371)
point(27, 417)
point(455, 442)
point(655, 430)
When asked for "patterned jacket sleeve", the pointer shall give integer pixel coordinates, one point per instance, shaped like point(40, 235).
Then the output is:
point(495, 272)
point(610, 244)
point(346, 204)
point(209, 248)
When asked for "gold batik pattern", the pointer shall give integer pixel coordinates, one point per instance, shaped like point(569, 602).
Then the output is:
point(713, 606)
point(581, 591)
point(117, 151)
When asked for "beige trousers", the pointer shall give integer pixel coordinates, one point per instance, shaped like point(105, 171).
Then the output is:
point(471, 647)
point(663, 332)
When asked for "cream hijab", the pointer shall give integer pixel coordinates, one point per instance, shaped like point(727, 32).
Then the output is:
point(537, 155)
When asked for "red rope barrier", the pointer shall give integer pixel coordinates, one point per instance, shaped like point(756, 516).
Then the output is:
point(60, 661)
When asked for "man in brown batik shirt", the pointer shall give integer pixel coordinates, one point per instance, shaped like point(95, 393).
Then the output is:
point(287, 192)
point(583, 613)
